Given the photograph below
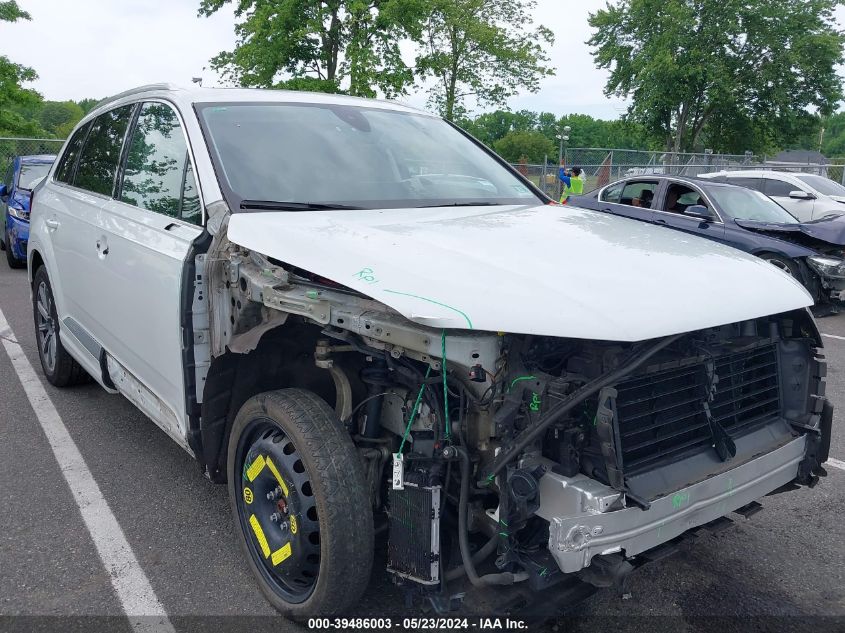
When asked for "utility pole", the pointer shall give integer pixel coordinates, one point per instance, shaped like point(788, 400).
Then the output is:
point(563, 137)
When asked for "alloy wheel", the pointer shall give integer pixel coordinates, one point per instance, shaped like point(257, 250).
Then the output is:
point(46, 327)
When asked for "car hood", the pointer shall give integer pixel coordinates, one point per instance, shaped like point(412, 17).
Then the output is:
point(546, 270)
point(830, 229)
point(837, 198)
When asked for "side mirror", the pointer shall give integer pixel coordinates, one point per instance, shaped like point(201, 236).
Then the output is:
point(3, 191)
point(700, 211)
point(801, 195)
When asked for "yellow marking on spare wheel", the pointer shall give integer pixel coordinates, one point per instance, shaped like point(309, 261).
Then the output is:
point(256, 467)
point(278, 476)
point(281, 554)
point(259, 534)
point(248, 496)
point(293, 526)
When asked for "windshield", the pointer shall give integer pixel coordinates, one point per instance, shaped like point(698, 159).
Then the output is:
point(824, 186)
point(315, 154)
point(32, 174)
point(747, 204)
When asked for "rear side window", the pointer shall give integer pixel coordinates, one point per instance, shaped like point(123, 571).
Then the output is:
point(748, 183)
point(778, 188)
point(638, 193)
point(101, 153)
point(67, 164)
point(613, 193)
point(158, 175)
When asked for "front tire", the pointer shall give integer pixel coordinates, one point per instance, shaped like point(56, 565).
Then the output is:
point(785, 264)
point(298, 497)
point(13, 261)
point(60, 368)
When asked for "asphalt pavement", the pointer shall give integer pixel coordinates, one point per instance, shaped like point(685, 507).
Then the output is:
point(788, 560)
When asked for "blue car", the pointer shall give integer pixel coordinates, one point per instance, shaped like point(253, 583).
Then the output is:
point(23, 175)
point(812, 252)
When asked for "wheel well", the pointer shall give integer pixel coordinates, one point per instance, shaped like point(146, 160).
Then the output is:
point(35, 263)
point(284, 358)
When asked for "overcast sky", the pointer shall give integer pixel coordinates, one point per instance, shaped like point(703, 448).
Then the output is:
point(96, 48)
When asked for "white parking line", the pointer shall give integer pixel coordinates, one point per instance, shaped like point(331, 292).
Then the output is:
point(131, 585)
point(838, 338)
point(836, 463)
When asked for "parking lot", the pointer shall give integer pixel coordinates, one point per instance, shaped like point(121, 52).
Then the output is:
point(785, 561)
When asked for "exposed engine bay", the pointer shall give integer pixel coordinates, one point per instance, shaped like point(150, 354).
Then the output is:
point(512, 458)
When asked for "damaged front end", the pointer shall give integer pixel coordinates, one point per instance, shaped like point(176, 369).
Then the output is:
point(517, 459)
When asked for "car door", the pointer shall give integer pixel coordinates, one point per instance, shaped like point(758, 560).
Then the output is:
point(779, 190)
point(676, 198)
point(146, 234)
point(84, 182)
point(630, 198)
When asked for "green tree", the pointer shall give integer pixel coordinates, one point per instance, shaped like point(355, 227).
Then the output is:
point(530, 144)
point(87, 105)
point(318, 45)
point(14, 98)
point(751, 65)
point(481, 49)
point(59, 117)
point(492, 126)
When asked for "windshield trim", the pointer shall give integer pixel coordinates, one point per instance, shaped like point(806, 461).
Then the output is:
point(234, 200)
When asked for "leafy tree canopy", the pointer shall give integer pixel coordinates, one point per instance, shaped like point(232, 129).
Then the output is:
point(13, 96)
point(324, 45)
point(484, 49)
point(731, 74)
point(530, 145)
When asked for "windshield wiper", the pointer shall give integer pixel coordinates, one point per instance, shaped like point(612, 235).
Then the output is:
point(274, 205)
point(461, 204)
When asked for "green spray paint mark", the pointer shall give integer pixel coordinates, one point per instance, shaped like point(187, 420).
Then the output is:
point(366, 275)
point(680, 499)
point(543, 572)
point(443, 305)
point(535, 401)
point(520, 379)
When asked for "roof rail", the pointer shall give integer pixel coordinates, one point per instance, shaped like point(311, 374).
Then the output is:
point(132, 91)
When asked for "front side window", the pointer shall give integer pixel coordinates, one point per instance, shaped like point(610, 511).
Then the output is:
point(339, 155)
point(101, 153)
point(680, 197)
point(157, 175)
point(778, 188)
point(824, 186)
point(67, 163)
point(32, 174)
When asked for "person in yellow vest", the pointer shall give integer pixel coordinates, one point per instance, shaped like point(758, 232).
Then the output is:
point(573, 182)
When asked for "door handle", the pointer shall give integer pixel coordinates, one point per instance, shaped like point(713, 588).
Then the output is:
point(660, 221)
point(52, 224)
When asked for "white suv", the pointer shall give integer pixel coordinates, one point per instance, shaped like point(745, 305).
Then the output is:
point(355, 314)
point(806, 196)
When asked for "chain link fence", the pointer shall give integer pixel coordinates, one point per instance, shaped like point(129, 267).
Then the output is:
point(604, 165)
point(11, 147)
